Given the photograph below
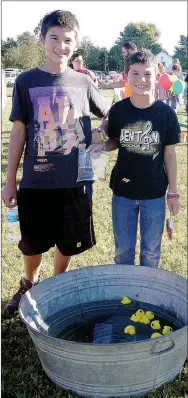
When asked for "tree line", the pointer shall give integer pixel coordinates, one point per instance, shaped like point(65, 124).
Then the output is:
point(27, 52)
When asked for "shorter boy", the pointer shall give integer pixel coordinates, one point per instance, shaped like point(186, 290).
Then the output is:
point(145, 131)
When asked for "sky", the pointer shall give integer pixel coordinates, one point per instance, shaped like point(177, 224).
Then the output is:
point(101, 21)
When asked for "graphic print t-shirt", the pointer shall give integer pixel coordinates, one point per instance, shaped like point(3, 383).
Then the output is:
point(56, 111)
point(142, 135)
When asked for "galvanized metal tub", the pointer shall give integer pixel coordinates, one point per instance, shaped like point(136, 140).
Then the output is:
point(112, 370)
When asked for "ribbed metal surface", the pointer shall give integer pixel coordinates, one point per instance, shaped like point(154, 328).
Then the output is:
point(118, 370)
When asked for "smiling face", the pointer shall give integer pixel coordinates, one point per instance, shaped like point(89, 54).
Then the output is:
point(59, 45)
point(141, 78)
point(78, 63)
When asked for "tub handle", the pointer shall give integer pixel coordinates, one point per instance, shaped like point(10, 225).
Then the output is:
point(161, 347)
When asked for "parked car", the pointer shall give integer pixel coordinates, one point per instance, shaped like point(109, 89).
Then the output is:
point(11, 75)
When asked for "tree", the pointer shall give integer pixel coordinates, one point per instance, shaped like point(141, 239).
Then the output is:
point(94, 57)
point(115, 59)
point(181, 52)
point(26, 53)
point(8, 47)
point(142, 34)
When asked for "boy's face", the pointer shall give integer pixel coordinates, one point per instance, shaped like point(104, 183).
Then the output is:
point(59, 44)
point(142, 78)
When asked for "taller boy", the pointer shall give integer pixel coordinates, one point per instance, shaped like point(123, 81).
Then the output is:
point(51, 118)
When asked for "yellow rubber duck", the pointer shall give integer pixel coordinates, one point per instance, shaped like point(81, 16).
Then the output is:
point(155, 335)
point(135, 318)
point(130, 330)
point(140, 313)
point(155, 325)
point(167, 330)
point(150, 315)
point(125, 300)
point(144, 320)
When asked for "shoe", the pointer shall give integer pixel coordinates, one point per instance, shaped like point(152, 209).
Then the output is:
point(12, 306)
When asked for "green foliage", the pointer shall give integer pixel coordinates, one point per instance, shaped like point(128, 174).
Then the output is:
point(94, 57)
point(26, 53)
point(115, 59)
point(144, 35)
point(181, 51)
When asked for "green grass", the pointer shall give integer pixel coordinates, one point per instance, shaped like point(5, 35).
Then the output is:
point(22, 374)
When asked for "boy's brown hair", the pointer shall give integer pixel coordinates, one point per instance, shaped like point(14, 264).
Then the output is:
point(140, 57)
point(62, 19)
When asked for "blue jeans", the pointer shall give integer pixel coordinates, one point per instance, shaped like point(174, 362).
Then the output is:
point(125, 222)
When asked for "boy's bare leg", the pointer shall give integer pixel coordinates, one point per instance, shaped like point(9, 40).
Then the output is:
point(61, 262)
point(32, 267)
point(31, 276)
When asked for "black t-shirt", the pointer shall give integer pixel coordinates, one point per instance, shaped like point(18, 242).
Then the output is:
point(56, 111)
point(142, 135)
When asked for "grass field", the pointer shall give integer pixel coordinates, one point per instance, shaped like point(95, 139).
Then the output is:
point(22, 374)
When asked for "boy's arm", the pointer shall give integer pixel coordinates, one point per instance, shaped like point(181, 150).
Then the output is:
point(110, 145)
point(99, 133)
point(118, 84)
point(16, 147)
point(171, 171)
point(112, 134)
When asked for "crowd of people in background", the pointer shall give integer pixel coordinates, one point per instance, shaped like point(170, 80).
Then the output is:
point(129, 48)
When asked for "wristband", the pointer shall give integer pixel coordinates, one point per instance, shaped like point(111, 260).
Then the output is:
point(102, 134)
point(173, 195)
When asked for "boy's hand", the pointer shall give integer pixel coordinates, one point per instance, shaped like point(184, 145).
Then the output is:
point(95, 137)
point(103, 84)
point(97, 147)
point(173, 203)
point(9, 194)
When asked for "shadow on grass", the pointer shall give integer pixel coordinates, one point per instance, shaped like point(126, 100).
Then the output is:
point(22, 373)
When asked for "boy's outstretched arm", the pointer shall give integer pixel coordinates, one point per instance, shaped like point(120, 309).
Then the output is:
point(16, 147)
point(107, 146)
point(171, 171)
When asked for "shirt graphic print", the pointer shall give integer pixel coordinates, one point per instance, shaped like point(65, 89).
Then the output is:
point(140, 138)
point(57, 130)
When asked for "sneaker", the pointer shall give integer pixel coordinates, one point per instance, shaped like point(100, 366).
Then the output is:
point(12, 306)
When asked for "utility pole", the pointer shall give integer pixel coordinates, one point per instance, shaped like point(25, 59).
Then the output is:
point(105, 61)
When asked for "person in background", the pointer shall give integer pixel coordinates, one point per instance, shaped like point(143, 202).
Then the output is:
point(77, 64)
point(174, 99)
point(168, 69)
point(176, 70)
point(185, 94)
point(161, 93)
point(165, 65)
point(128, 48)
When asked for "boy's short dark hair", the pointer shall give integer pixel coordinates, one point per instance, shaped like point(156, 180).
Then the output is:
point(63, 19)
point(129, 45)
point(140, 57)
